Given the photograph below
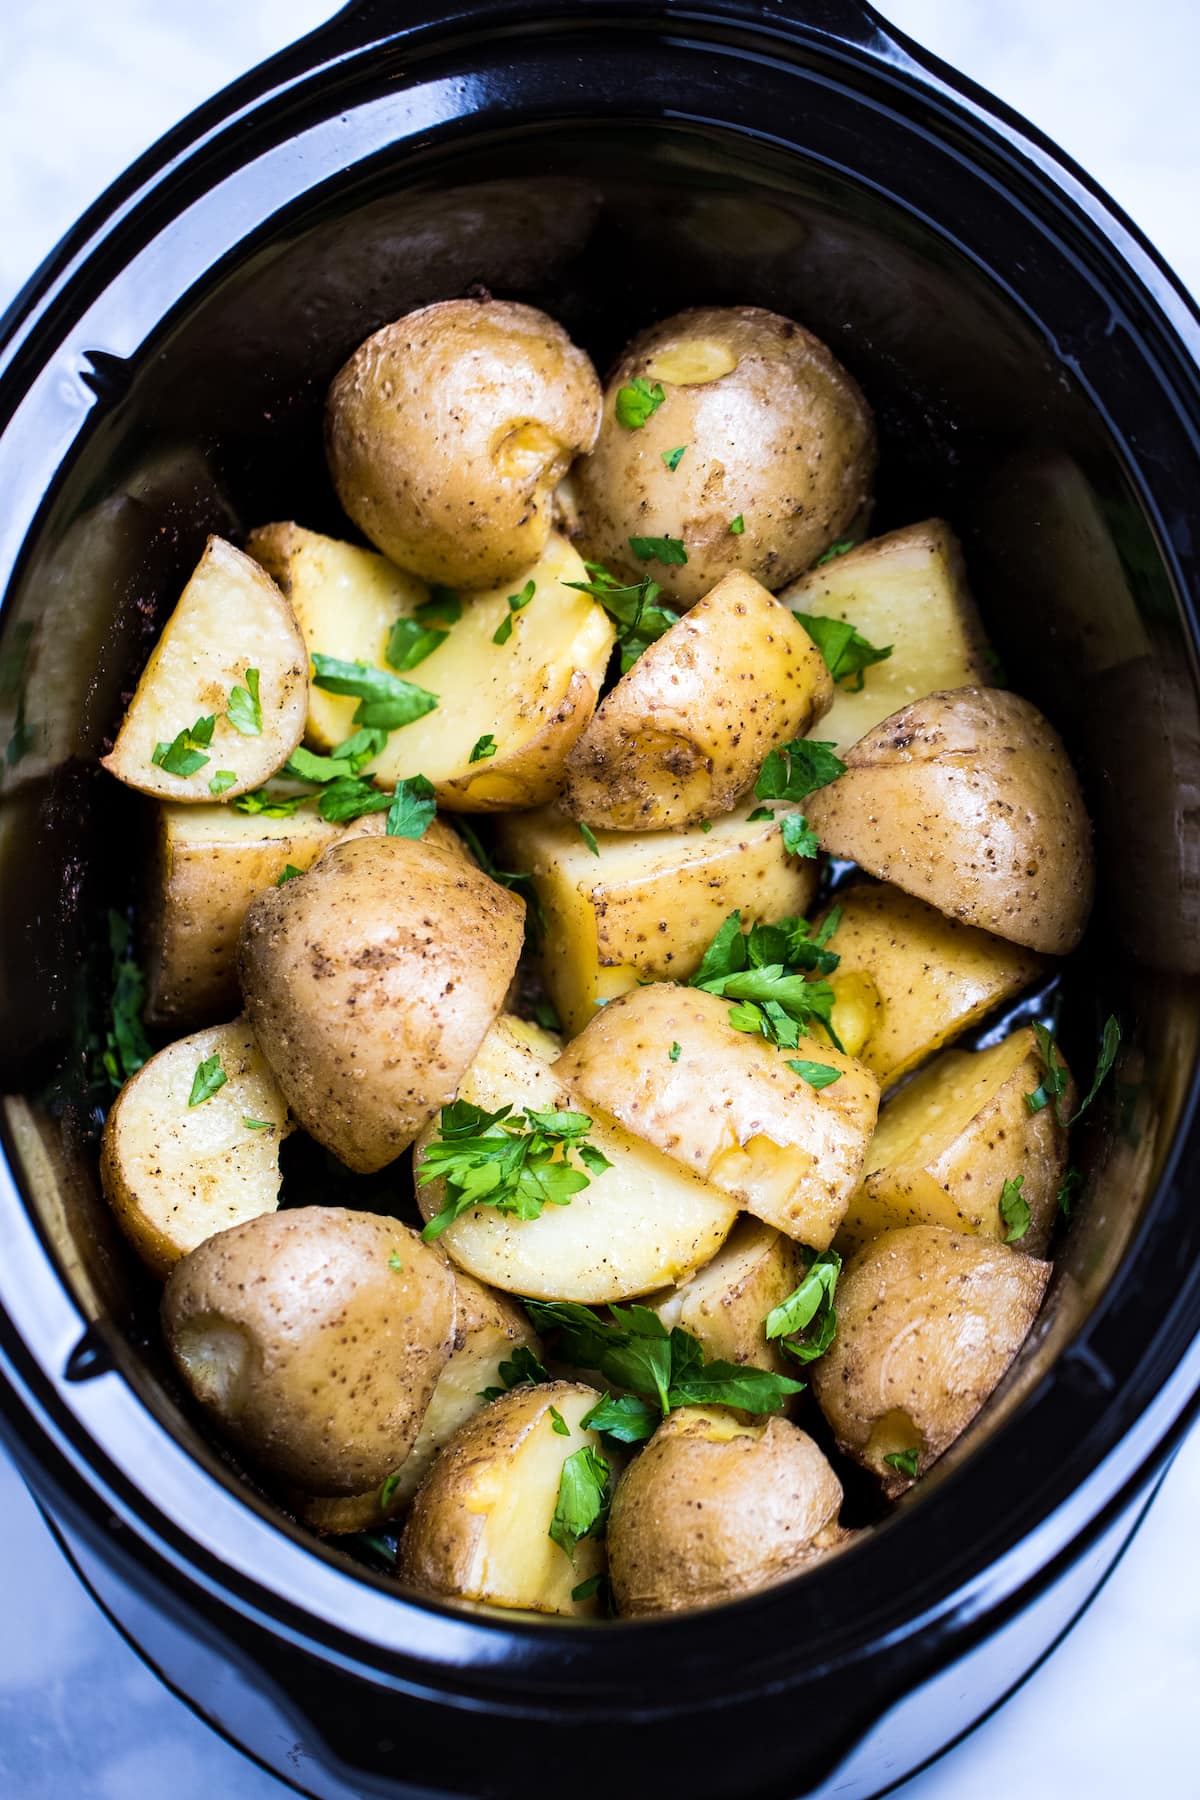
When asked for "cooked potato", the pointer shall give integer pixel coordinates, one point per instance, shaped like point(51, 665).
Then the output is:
point(725, 1303)
point(640, 1225)
point(648, 904)
point(948, 1142)
point(315, 1338)
point(173, 1172)
point(232, 629)
point(775, 434)
point(909, 591)
point(928, 1321)
point(487, 1329)
point(447, 431)
point(729, 1106)
point(683, 735)
point(370, 983)
point(713, 1508)
point(532, 695)
point(967, 799)
point(911, 979)
point(480, 1524)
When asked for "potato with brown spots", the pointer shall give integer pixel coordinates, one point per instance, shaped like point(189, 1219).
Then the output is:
point(685, 732)
point(725, 1303)
point(315, 1339)
point(370, 983)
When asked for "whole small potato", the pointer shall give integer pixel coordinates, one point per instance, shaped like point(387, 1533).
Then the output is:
point(713, 1508)
point(315, 1338)
point(774, 434)
point(447, 431)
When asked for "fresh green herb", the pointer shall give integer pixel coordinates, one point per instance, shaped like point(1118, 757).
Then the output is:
point(673, 458)
point(796, 770)
point(349, 758)
point(520, 881)
point(187, 752)
point(762, 969)
point(737, 526)
point(906, 1461)
point(245, 708)
point(806, 1322)
point(516, 604)
point(522, 1367)
point(997, 673)
point(593, 1160)
point(374, 1544)
point(675, 1052)
point(841, 548)
point(1014, 1210)
point(589, 838)
point(257, 1124)
point(513, 1164)
point(1053, 1084)
point(270, 805)
point(222, 781)
point(387, 1492)
point(394, 1261)
point(413, 807)
point(626, 1417)
point(410, 641)
point(208, 1080)
point(289, 873)
point(706, 825)
point(760, 812)
point(443, 607)
point(818, 1075)
point(1072, 1182)
point(384, 701)
point(582, 1499)
point(640, 620)
point(846, 652)
point(558, 1424)
point(637, 402)
point(546, 1015)
point(1109, 1046)
point(667, 550)
point(595, 1584)
point(799, 838)
point(350, 797)
point(125, 1045)
point(483, 748)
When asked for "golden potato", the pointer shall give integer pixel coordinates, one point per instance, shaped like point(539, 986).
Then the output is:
point(648, 904)
point(684, 734)
point(928, 1321)
point(175, 1172)
point(480, 1524)
point(370, 983)
point(642, 1224)
point(729, 1107)
point(951, 1138)
point(231, 633)
point(909, 591)
point(315, 1338)
point(725, 1303)
point(775, 434)
point(713, 1508)
point(967, 799)
point(447, 431)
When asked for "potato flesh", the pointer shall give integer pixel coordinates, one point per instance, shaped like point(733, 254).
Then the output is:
point(726, 1302)
point(643, 1224)
point(651, 902)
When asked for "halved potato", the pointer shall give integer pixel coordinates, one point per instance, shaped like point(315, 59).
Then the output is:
point(684, 733)
point(948, 1142)
point(907, 590)
point(480, 1524)
point(175, 1173)
point(641, 1225)
point(968, 800)
point(532, 695)
point(649, 903)
point(729, 1106)
point(726, 1302)
point(230, 618)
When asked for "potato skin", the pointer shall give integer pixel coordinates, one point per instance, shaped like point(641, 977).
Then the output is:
point(967, 799)
point(711, 1509)
point(784, 439)
point(928, 1322)
point(370, 983)
point(725, 1303)
point(447, 431)
point(311, 1349)
point(684, 733)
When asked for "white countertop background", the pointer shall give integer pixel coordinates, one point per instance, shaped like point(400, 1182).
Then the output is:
point(84, 88)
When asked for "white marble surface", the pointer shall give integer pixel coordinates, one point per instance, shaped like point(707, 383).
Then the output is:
point(83, 89)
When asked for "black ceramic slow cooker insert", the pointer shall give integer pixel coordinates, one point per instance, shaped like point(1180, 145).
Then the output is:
point(1034, 372)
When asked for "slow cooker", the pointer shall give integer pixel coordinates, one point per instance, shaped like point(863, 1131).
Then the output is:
point(1034, 371)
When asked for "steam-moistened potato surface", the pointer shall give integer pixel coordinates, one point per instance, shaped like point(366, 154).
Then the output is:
point(370, 983)
point(907, 591)
point(647, 904)
point(220, 704)
point(910, 979)
point(640, 1225)
point(774, 433)
point(488, 1327)
point(950, 1140)
point(729, 1106)
point(315, 1338)
point(725, 1303)
point(712, 1508)
point(480, 1524)
point(177, 1167)
point(683, 735)
point(447, 431)
point(928, 1321)
point(967, 799)
point(525, 700)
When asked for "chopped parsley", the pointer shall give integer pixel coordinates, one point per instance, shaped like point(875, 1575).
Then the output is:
point(350, 797)
point(673, 458)
point(1071, 1183)
point(208, 1080)
point(595, 1584)
point(349, 758)
point(706, 825)
point(764, 971)
point(906, 1461)
point(760, 812)
point(257, 1124)
point(675, 1052)
point(841, 548)
point(125, 1045)
point(1053, 1084)
point(633, 608)
point(510, 1162)
point(394, 1262)
point(818, 1075)
point(667, 550)
point(483, 748)
point(261, 801)
point(384, 701)
point(806, 1322)
point(189, 750)
point(546, 1015)
point(799, 838)
point(558, 1424)
point(582, 1507)
point(412, 808)
point(288, 873)
point(637, 401)
point(387, 1492)
point(796, 770)
point(1014, 1210)
point(516, 604)
point(589, 838)
point(443, 607)
point(737, 526)
point(244, 711)
point(846, 652)
point(410, 641)
point(222, 781)
point(523, 1366)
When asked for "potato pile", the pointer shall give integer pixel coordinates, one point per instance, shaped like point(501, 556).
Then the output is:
point(660, 1072)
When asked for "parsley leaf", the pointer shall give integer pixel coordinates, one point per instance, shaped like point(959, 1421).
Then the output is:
point(410, 641)
point(1072, 1182)
point(349, 758)
point(270, 805)
point(667, 550)
point(1014, 1210)
point(841, 548)
point(483, 748)
point(589, 838)
point(125, 1045)
point(582, 1499)
point(595, 1584)
point(523, 1366)
point(188, 751)
point(516, 604)
point(634, 609)
point(546, 1015)
point(558, 1424)
point(762, 968)
point(394, 1262)
point(626, 1417)
point(387, 1491)
point(1110, 1044)
point(257, 1124)
point(818, 1075)
point(221, 782)
point(245, 708)
point(796, 770)
point(412, 809)
point(906, 1461)
point(673, 458)
point(737, 526)
point(1053, 1084)
point(209, 1078)
point(675, 1052)
point(513, 1164)
point(289, 873)
point(349, 797)
point(760, 812)
point(384, 701)
point(799, 839)
point(443, 607)
point(846, 652)
point(637, 401)
point(806, 1321)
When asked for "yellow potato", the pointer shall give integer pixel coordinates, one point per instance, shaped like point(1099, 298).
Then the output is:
point(480, 1524)
point(175, 1173)
point(230, 618)
point(650, 903)
point(907, 590)
point(684, 733)
point(729, 1107)
point(967, 800)
point(725, 1303)
point(370, 983)
point(447, 431)
point(928, 1321)
point(640, 1225)
point(315, 1338)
